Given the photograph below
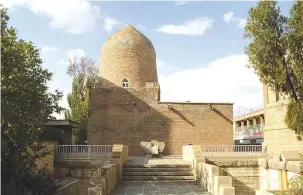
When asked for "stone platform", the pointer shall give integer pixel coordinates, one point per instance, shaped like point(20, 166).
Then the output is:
point(158, 188)
point(164, 175)
point(156, 162)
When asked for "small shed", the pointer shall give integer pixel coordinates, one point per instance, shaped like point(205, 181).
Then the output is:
point(55, 132)
point(59, 131)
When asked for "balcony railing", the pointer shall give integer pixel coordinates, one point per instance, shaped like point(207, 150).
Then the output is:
point(249, 132)
point(233, 148)
point(83, 151)
point(255, 127)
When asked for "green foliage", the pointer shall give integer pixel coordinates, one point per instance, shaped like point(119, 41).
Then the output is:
point(276, 53)
point(292, 116)
point(296, 184)
point(26, 106)
point(84, 74)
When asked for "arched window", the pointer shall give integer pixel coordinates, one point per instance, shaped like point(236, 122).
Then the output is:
point(125, 83)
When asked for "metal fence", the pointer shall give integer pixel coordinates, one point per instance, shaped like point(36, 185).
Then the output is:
point(83, 151)
point(233, 148)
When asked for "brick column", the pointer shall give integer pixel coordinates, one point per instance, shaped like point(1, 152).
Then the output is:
point(247, 123)
point(236, 125)
point(261, 121)
point(254, 121)
point(242, 125)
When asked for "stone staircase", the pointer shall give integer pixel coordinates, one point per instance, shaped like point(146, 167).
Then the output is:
point(165, 172)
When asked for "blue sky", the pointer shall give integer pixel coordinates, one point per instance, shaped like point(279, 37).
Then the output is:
point(199, 45)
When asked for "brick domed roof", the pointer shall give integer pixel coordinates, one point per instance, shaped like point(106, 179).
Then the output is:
point(128, 54)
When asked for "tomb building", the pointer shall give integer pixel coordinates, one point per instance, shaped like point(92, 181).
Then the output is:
point(125, 106)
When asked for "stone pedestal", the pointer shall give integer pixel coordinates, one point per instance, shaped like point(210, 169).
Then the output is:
point(95, 191)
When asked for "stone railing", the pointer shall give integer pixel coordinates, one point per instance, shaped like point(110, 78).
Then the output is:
point(233, 148)
point(83, 151)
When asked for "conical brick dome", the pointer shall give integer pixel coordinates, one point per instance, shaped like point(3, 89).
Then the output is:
point(128, 55)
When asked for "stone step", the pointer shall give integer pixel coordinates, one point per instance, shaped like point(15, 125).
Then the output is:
point(163, 181)
point(157, 166)
point(179, 173)
point(153, 178)
point(127, 169)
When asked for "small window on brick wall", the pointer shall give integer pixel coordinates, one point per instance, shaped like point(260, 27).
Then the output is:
point(125, 83)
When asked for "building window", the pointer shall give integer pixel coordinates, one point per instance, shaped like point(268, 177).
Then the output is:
point(125, 83)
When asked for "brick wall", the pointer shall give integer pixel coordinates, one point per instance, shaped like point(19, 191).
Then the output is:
point(128, 54)
point(129, 116)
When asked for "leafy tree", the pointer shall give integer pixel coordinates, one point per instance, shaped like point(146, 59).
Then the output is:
point(25, 107)
point(84, 74)
point(276, 54)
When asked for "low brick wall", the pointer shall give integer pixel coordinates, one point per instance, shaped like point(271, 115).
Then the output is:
point(242, 167)
point(244, 174)
point(107, 183)
point(206, 175)
point(95, 176)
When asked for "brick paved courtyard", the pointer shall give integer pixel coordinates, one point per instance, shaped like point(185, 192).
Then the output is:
point(157, 188)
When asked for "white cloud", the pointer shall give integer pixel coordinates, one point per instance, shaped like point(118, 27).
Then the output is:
point(229, 17)
point(63, 103)
point(45, 51)
point(70, 55)
point(75, 17)
point(181, 2)
point(160, 63)
point(141, 27)
point(166, 68)
point(63, 62)
point(78, 53)
point(193, 27)
point(242, 23)
point(110, 23)
point(224, 80)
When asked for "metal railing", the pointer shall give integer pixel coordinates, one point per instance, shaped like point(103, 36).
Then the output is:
point(68, 188)
point(84, 148)
point(233, 148)
point(256, 127)
point(83, 151)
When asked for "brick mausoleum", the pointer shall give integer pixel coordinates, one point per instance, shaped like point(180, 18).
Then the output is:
point(125, 106)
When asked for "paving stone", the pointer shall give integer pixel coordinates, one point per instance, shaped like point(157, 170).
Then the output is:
point(153, 188)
